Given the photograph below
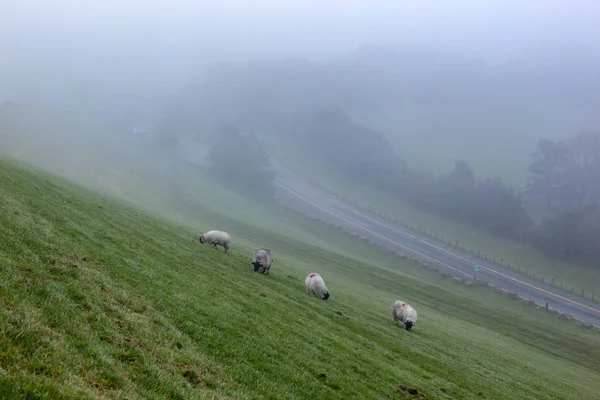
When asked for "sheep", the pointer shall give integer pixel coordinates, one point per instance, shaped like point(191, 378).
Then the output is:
point(402, 311)
point(262, 261)
point(216, 238)
point(316, 286)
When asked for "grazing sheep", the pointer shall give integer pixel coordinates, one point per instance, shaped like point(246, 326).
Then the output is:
point(216, 238)
point(315, 285)
point(262, 261)
point(402, 311)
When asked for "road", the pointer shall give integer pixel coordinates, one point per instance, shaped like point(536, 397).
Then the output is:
point(298, 194)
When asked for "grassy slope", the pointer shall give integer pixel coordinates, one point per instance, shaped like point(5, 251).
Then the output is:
point(102, 299)
point(521, 257)
point(79, 148)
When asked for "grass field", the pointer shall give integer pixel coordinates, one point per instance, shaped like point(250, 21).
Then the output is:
point(101, 299)
point(521, 257)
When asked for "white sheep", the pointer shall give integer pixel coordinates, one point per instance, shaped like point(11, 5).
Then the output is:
point(315, 285)
point(262, 261)
point(402, 311)
point(216, 238)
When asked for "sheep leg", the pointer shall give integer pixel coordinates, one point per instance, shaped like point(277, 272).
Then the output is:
point(226, 248)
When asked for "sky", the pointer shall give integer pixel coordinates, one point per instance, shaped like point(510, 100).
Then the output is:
point(167, 40)
point(237, 29)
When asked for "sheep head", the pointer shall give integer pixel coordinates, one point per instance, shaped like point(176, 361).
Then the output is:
point(325, 296)
point(202, 239)
point(408, 324)
point(257, 265)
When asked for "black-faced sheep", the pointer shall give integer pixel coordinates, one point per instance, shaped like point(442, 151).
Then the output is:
point(402, 311)
point(216, 238)
point(262, 261)
point(315, 285)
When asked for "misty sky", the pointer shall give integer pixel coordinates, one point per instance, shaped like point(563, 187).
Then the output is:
point(197, 31)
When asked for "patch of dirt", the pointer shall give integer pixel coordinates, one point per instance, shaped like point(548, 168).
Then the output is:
point(109, 339)
point(177, 345)
point(339, 313)
point(104, 384)
point(191, 375)
point(128, 342)
point(262, 294)
point(411, 391)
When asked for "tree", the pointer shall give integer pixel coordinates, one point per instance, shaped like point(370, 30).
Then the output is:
point(350, 148)
point(497, 209)
point(566, 175)
point(455, 192)
point(241, 162)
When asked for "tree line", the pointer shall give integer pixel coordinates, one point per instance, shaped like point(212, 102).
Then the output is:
point(558, 212)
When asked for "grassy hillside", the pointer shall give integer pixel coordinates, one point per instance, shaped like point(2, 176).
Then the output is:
point(80, 148)
point(521, 257)
point(100, 299)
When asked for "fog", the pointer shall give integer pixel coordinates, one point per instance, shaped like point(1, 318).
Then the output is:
point(400, 95)
point(164, 41)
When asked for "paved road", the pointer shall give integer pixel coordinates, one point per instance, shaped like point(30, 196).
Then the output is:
point(302, 196)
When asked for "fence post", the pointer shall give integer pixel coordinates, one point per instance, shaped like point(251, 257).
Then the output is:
point(525, 271)
point(552, 281)
point(561, 286)
point(542, 278)
point(478, 254)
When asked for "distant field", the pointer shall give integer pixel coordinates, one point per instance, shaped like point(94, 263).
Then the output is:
point(101, 298)
point(520, 257)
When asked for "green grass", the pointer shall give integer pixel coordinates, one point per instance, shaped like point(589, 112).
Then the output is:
point(102, 299)
point(519, 257)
